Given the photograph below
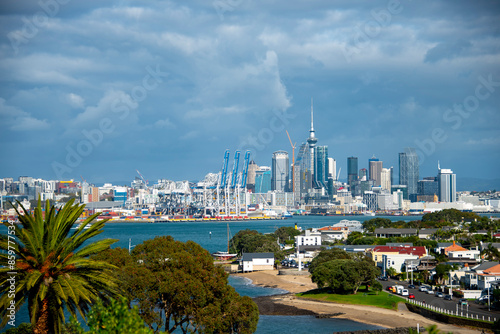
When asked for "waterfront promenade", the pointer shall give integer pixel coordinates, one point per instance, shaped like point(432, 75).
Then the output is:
point(365, 314)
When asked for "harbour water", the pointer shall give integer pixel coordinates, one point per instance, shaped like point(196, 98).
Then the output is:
point(213, 237)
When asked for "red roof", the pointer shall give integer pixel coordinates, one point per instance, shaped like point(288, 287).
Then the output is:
point(333, 228)
point(413, 250)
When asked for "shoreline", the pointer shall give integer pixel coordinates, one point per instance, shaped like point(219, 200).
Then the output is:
point(289, 304)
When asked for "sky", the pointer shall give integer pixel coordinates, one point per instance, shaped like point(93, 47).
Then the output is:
point(99, 89)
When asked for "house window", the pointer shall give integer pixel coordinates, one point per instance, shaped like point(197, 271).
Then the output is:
point(267, 260)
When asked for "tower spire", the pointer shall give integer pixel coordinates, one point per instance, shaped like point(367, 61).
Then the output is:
point(312, 116)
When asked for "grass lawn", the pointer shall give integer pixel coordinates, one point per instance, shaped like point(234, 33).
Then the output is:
point(382, 299)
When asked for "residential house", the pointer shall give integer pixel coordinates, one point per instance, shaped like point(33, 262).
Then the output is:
point(395, 232)
point(471, 277)
point(488, 276)
point(257, 261)
point(334, 233)
point(395, 256)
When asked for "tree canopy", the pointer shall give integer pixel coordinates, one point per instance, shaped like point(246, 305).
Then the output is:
point(177, 286)
point(341, 271)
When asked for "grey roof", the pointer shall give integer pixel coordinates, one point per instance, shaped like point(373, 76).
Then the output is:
point(484, 266)
point(251, 256)
point(399, 244)
point(354, 248)
point(395, 230)
point(447, 244)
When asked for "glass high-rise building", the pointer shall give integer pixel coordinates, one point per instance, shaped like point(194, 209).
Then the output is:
point(321, 167)
point(409, 170)
point(352, 171)
point(263, 180)
point(280, 171)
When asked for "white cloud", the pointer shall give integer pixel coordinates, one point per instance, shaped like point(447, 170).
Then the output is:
point(16, 119)
point(164, 123)
point(76, 101)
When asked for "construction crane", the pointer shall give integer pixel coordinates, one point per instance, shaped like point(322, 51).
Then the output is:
point(143, 179)
point(338, 174)
point(293, 161)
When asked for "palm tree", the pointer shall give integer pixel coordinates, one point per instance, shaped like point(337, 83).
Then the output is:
point(52, 267)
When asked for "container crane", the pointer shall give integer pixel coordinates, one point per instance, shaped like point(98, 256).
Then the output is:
point(236, 164)
point(224, 169)
point(245, 170)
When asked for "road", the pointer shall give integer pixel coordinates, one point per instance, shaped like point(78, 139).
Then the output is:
point(450, 305)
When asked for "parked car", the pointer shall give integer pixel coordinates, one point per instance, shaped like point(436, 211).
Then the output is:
point(439, 294)
point(411, 286)
point(448, 297)
point(463, 301)
point(411, 296)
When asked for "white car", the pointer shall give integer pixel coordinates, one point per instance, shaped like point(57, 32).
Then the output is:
point(422, 288)
point(430, 292)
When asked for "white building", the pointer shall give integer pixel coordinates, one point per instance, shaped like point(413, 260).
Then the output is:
point(309, 238)
point(257, 261)
point(385, 179)
point(447, 185)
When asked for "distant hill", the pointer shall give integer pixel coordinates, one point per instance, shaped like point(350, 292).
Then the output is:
point(475, 184)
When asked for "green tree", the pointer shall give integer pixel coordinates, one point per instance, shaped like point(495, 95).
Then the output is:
point(53, 268)
point(23, 328)
point(113, 318)
point(345, 275)
point(328, 255)
point(177, 286)
point(285, 233)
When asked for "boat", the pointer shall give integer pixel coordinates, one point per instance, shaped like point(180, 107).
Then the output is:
point(369, 213)
point(223, 255)
point(286, 214)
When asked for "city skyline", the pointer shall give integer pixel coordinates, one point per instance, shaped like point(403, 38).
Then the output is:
point(102, 90)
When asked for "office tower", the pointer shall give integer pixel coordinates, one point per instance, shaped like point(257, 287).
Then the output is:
point(332, 168)
point(321, 167)
point(263, 180)
point(385, 179)
point(303, 161)
point(408, 170)
point(428, 188)
point(447, 185)
point(363, 174)
point(352, 171)
point(252, 169)
point(280, 171)
point(375, 169)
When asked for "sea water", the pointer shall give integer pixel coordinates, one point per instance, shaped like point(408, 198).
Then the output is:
point(213, 236)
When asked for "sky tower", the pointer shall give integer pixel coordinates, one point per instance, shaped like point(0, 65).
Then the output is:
point(312, 140)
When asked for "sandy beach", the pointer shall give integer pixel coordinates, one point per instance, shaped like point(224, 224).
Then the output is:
point(288, 304)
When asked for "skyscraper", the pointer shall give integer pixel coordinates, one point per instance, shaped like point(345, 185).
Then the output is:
point(280, 171)
point(332, 168)
point(408, 170)
point(447, 185)
point(352, 171)
point(263, 180)
point(385, 179)
point(321, 167)
point(375, 169)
